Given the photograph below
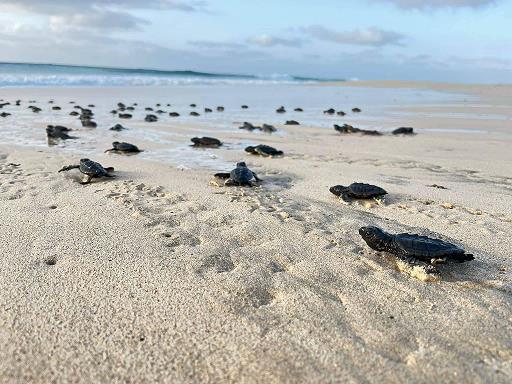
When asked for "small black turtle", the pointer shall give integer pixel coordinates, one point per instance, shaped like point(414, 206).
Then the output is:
point(193, 105)
point(298, 110)
point(5, 114)
point(90, 169)
point(205, 142)
point(194, 113)
point(356, 110)
point(241, 176)
point(208, 110)
point(220, 109)
point(292, 122)
point(403, 131)
point(150, 118)
point(414, 249)
point(281, 109)
point(87, 123)
point(73, 113)
point(268, 128)
point(149, 109)
point(58, 132)
point(56, 108)
point(174, 114)
point(357, 191)
point(330, 111)
point(249, 126)
point(125, 116)
point(263, 150)
point(121, 105)
point(245, 107)
point(120, 147)
point(118, 128)
point(341, 113)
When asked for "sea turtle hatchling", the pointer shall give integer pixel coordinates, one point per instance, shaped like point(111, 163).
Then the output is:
point(357, 191)
point(90, 169)
point(241, 176)
point(263, 150)
point(210, 142)
point(121, 147)
point(414, 249)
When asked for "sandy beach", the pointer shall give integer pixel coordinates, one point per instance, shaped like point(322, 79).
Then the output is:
point(163, 274)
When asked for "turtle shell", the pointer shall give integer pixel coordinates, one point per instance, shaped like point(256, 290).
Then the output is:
point(365, 191)
point(423, 247)
point(241, 175)
point(92, 168)
point(266, 150)
point(125, 147)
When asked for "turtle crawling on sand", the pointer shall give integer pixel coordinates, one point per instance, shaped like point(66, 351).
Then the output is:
point(90, 169)
point(120, 147)
point(241, 176)
point(357, 191)
point(263, 150)
point(206, 142)
point(414, 249)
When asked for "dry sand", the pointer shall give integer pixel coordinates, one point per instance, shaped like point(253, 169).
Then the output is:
point(157, 276)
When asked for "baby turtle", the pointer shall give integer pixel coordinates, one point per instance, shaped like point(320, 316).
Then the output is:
point(245, 107)
point(150, 119)
point(194, 113)
point(292, 122)
point(356, 110)
point(330, 111)
point(357, 191)
point(281, 109)
point(403, 131)
point(298, 110)
point(268, 128)
point(208, 110)
point(120, 147)
point(263, 150)
point(125, 115)
point(5, 114)
point(220, 109)
point(241, 176)
point(118, 127)
point(90, 169)
point(205, 142)
point(58, 132)
point(414, 249)
point(174, 114)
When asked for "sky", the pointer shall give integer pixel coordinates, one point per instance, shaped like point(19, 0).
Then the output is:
point(440, 40)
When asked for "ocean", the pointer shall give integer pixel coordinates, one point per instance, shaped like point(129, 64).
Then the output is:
point(49, 75)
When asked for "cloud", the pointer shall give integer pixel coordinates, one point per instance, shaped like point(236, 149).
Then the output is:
point(98, 14)
point(375, 37)
point(432, 4)
point(271, 41)
point(207, 44)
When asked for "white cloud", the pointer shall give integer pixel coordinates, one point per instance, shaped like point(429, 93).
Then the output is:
point(369, 37)
point(271, 41)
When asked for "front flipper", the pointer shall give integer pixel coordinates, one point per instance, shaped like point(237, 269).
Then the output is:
point(109, 169)
point(86, 180)
point(223, 175)
point(68, 168)
point(413, 262)
point(345, 197)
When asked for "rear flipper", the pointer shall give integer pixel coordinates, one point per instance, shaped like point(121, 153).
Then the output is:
point(256, 177)
point(68, 168)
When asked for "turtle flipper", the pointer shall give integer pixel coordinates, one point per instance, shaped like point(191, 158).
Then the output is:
point(109, 169)
point(256, 177)
point(86, 180)
point(462, 257)
point(68, 168)
point(229, 182)
point(222, 175)
point(413, 262)
point(346, 198)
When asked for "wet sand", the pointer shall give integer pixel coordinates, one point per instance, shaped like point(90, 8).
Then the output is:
point(160, 275)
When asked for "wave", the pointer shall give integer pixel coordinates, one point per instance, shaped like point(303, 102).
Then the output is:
point(41, 75)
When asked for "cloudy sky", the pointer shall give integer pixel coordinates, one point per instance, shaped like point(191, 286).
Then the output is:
point(455, 40)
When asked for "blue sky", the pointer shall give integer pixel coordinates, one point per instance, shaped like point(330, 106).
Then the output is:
point(450, 40)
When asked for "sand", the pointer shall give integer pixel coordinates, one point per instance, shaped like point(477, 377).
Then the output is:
point(161, 276)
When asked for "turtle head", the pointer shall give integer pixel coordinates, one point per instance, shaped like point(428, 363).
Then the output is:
point(114, 143)
point(241, 164)
point(338, 190)
point(195, 140)
point(375, 237)
point(249, 149)
point(81, 160)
